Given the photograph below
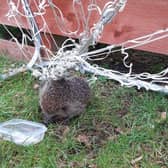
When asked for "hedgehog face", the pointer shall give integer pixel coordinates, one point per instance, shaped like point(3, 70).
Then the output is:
point(59, 115)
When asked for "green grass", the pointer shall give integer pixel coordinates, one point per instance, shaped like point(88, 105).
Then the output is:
point(121, 125)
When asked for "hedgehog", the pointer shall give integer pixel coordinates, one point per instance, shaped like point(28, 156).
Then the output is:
point(63, 99)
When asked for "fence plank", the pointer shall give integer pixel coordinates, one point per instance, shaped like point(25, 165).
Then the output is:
point(139, 18)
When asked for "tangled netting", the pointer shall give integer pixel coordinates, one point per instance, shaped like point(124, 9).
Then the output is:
point(75, 55)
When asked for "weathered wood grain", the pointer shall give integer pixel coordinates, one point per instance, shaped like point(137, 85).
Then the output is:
point(139, 18)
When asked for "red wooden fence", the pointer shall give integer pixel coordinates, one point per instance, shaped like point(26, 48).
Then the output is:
point(139, 18)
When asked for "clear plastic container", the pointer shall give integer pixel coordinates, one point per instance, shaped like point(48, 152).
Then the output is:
point(22, 132)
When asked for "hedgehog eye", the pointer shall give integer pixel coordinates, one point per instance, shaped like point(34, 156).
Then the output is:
point(64, 108)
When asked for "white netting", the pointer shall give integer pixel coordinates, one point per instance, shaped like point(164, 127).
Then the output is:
point(73, 55)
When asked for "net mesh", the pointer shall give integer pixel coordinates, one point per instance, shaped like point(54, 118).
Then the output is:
point(75, 54)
